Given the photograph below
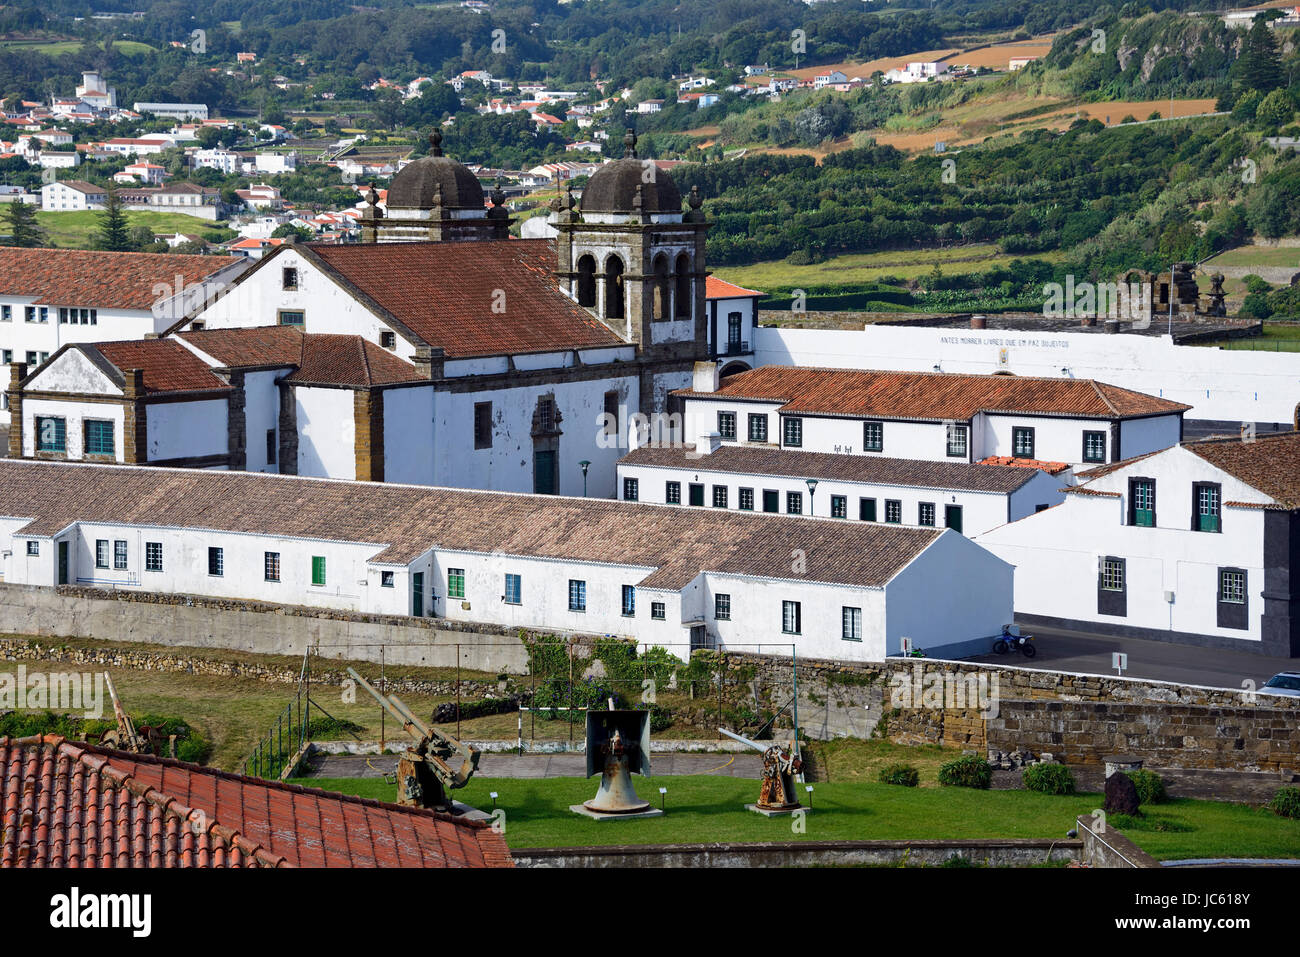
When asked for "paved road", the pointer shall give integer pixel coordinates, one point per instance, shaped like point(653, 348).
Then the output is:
point(545, 765)
point(1076, 651)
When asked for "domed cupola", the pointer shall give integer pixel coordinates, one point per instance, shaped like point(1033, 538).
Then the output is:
point(437, 198)
point(630, 186)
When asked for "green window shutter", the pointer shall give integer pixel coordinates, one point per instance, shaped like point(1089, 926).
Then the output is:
point(318, 570)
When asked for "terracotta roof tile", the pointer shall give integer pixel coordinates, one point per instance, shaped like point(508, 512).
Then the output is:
point(1010, 461)
point(1269, 463)
point(318, 358)
point(445, 293)
point(249, 348)
point(68, 804)
point(104, 280)
point(402, 522)
point(933, 396)
point(715, 288)
point(167, 365)
point(792, 463)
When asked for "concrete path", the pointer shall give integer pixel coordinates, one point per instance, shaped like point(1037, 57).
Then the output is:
point(544, 765)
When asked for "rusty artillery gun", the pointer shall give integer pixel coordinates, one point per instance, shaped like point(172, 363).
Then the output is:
point(436, 764)
point(125, 737)
point(780, 765)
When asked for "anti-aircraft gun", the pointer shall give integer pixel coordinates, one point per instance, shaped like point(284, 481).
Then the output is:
point(435, 764)
point(125, 737)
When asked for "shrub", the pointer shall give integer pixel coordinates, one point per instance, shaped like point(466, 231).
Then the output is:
point(1150, 787)
point(1286, 802)
point(1048, 779)
point(968, 771)
point(901, 774)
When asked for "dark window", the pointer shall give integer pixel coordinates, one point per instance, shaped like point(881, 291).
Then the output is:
point(629, 600)
point(925, 514)
point(673, 493)
point(792, 431)
point(697, 494)
point(482, 425)
point(1112, 587)
point(1094, 446)
point(839, 506)
point(1234, 603)
point(271, 567)
point(791, 617)
point(722, 607)
point(1142, 502)
point(577, 595)
point(101, 553)
point(271, 447)
point(867, 509)
point(852, 618)
point(1207, 502)
point(216, 562)
point(292, 317)
point(794, 503)
point(318, 569)
point(657, 610)
point(119, 555)
point(1022, 442)
point(757, 428)
point(873, 436)
point(611, 413)
point(51, 434)
point(33, 548)
point(727, 425)
point(958, 443)
point(388, 339)
point(456, 583)
point(719, 496)
point(387, 580)
point(99, 437)
point(893, 511)
point(746, 503)
point(952, 517)
point(153, 557)
point(514, 590)
point(771, 500)
point(288, 278)
point(631, 489)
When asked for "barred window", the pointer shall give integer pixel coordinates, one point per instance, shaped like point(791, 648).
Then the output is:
point(893, 511)
point(746, 503)
point(839, 506)
point(722, 607)
point(1094, 446)
point(794, 503)
point(577, 595)
point(101, 553)
point(757, 428)
point(119, 554)
point(673, 493)
point(925, 514)
point(727, 425)
point(271, 566)
point(873, 436)
point(216, 562)
point(957, 440)
point(631, 489)
point(153, 557)
point(719, 496)
point(793, 434)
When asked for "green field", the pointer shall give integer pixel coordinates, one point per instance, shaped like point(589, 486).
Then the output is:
point(56, 47)
point(1256, 256)
point(872, 267)
point(702, 808)
point(1277, 337)
point(75, 230)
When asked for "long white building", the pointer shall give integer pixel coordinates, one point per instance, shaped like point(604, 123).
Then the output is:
point(935, 416)
point(830, 589)
point(1193, 544)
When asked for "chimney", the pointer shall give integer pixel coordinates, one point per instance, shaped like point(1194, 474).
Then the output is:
point(134, 386)
point(708, 443)
point(705, 377)
point(979, 322)
point(428, 361)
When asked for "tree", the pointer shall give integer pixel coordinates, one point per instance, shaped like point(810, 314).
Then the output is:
point(114, 232)
point(208, 136)
point(1260, 65)
point(1275, 109)
point(24, 230)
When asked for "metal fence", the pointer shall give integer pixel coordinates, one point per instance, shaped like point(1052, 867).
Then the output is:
point(285, 739)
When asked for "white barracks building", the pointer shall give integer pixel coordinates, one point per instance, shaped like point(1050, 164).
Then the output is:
point(831, 589)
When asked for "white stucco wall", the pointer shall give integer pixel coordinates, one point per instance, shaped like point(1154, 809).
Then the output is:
point(74, 415)
point(408, 435)
point(177, 430)
point(261, 414)
point(326, 432)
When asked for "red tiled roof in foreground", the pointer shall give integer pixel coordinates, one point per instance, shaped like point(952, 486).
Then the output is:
point(1269, 463)
point(715, 288)
point(470, 299)
point(69, 804)
point(1051, 468)
point(934, 396)
point(103, 280)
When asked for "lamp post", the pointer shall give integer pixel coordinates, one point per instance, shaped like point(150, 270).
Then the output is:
point(584, 465)
point(812, 491)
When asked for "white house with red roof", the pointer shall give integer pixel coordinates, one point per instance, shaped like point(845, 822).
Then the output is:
point(733, 317)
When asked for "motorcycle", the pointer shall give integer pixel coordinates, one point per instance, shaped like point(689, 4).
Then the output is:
point(1008, 642)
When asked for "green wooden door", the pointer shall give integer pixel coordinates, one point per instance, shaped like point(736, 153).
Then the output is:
point(417, 594)
point(63, 563)
point(544, 478)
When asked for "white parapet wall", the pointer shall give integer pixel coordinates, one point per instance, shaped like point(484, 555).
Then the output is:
point(1219, 384)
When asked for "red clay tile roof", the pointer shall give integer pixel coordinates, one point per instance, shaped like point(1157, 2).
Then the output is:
point(715, 288)
point(794, 463)
point(444, 294)
point(349, 360)
point(82, 277)
point(1051, 468)
point(68, 804)
point(321, 359)
point(934, 396)
point(1269, 463)
point(167, 365)
point(675, 543)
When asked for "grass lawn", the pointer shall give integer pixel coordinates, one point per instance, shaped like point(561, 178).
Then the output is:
point(1277, 337)
point(705, 809)
point(74, 230)
point(872, 267)
point(56, 47)
point(1256, 256)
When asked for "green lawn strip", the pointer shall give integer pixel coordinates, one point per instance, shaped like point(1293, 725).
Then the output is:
point(707, 809)
point(76, 229)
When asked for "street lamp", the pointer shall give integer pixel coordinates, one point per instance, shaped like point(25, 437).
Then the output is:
point(812, 490)
point(584, 465)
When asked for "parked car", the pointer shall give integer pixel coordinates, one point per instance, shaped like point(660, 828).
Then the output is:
point(1285, 683)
